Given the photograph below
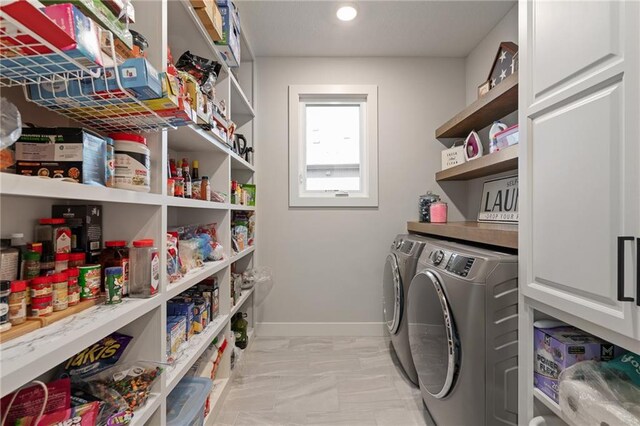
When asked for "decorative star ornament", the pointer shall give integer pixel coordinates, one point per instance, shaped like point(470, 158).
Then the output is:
point(503, 56)
point(503, 75)
point(493, 82)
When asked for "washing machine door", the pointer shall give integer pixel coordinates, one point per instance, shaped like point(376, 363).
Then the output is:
point(432, 335)
point(392, 293)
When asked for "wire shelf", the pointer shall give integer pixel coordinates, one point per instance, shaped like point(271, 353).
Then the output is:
point(74, 87)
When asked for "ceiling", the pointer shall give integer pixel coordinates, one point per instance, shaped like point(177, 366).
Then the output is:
point(382, 28)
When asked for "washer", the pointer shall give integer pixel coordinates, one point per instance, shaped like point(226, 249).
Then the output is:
point(463, 334)
point(399, 269)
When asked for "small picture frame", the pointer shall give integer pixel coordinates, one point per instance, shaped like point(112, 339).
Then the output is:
point(484, 88)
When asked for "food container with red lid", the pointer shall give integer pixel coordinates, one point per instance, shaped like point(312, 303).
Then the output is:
point(18, 302)
point(54, 235)
point(144, 276)
point(61, 261)
point(77, 259)
point(132, 162)
point(40, 286)
point(73, 289)
point(41, 306)
point(60, 291)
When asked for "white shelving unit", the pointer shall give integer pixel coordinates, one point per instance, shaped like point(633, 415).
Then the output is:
point(132, 215)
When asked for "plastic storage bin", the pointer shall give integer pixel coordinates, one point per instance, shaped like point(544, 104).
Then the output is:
point(185, 404)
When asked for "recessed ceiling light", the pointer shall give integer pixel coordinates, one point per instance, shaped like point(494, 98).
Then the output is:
point(346, 13)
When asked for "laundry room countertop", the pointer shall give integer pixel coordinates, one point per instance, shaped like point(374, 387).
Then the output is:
point(502, 235)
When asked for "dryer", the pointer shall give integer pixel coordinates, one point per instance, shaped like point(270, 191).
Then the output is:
point(399, 269)
point(463, 334)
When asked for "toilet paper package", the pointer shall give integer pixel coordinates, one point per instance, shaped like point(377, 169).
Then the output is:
point(558, 348)
point(595, 393)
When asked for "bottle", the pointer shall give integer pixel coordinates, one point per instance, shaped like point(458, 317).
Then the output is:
point(187, 178)
point(496, 128)
point(239, 327)
point(195, 170)
point(205, 191)
point(144, 269)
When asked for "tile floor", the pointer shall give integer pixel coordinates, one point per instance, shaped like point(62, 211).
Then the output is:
point(322, 381)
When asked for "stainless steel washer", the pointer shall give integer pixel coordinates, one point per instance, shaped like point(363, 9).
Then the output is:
point(400, 266)
point(463, 334)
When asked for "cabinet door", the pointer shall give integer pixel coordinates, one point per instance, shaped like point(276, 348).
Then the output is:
point(580, 161)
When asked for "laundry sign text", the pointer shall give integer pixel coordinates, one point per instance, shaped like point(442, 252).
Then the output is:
point(499, 200)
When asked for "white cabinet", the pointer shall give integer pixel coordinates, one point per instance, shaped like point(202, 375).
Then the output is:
point(580, 159)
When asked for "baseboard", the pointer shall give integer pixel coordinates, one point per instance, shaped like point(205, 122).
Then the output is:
point(364, 329)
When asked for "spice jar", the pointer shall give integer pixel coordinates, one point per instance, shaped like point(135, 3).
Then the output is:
point(73, 288)
point(41, 306)
point(30, 265)
point(61, 261)
point(438, 212)
point(144, 276)
point(76, 259)
point(116, 254)
point(40, 286)
point(171, 187)
point(18, 302)
point(424, 203)
point(205, 190)
point(37, 247)
point(47, 264)
point(113, 285)
point(5, 291)
point(179, 187)
point(54, 235)
point(60, 289)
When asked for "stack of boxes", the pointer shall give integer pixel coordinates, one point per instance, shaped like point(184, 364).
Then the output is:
point(229, 46)
point(210, 16)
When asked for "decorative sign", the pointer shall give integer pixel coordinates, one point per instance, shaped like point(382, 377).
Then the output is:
point(452, 157)
point(499, 201)
point(505, 63)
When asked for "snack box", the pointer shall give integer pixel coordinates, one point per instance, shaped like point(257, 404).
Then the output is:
point(558, 348)
point(197, 99)
point(171, 105)
point(182, 309)
point(250, 189)
point(100, 12)
point(200, 314)
point(62, 152)
point(176, 333)
point(85, 222)
point(229, 46)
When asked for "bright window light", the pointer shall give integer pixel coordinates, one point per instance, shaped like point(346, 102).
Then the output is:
point(346, 13)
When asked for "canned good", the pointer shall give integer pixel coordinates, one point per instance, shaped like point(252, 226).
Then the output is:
point(41, 306)
point(113, 284)
point(89, 281)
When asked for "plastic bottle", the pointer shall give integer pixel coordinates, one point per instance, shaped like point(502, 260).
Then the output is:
point(496, 128)
point(239, 327)
point(195, 170)
point(205, 191)
point(132, 162)
point(144, 272)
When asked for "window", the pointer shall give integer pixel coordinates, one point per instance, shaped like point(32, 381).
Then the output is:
point(333, 146)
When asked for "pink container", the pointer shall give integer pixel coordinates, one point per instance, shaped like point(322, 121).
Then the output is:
point(438, 212)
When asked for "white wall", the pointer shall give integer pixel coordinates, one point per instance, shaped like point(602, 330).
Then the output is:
point(328, 263)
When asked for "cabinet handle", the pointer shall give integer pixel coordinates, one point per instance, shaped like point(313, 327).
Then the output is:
point(621, 296)
point(638, 271)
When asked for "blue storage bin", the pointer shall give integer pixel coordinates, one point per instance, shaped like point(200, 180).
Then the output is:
point(185, 404)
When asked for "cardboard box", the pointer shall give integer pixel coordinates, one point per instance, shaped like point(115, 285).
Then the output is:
point(176, 333)
point(62, 153)
point(136, 75)
point(557, 349)
point(171, 105)
point(211, 18)
point(182, 309)
point(229, 46)
point(99, 12)
point(85, 222)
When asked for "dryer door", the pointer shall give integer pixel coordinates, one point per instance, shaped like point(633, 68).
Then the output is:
point(432, 335)
point(392, 293)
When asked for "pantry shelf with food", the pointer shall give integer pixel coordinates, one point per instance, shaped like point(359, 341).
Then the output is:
point(242, 254)
point(246, 294)
point(194, 277)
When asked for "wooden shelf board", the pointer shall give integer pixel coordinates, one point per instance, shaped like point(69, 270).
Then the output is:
point(498, 162)
point(502, 235)
point(500, 101)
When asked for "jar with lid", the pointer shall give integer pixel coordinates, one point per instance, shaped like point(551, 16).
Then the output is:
point(144, 276)
point(18, 302)
point(54, 235)
point(178, 190)
point(77, 259)
point(73, 290)
point(60, 291)
point(40, 286)
point(205, 190)
point(424, 204)
point(110, 166)
point(61, 261)
point(171, 187)
point(132, 162)
point(438, 212)
point(47, 264)
point(30, 265)
point(5, 291)
point(41, 306)
point(116, 254)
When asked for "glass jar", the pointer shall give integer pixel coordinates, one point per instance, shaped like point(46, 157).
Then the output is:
point(73, 289)
point(205, 190)
point(41, 306)
point(47, 264)
point(144, 276)
point(116, 254)
point(30, 265)
point(18, 302)
point(77, 259)
point(438, 212)
point(61, 261)
point(178, 187)
point(40, 286)
point(54, 235)
point(5, 292)
point(424, 204)
point(60, 291)
point(171, 187)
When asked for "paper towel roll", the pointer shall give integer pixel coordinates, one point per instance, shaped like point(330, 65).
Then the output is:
point(583, 405)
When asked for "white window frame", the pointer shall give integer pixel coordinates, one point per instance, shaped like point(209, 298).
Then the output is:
point(367, 97)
